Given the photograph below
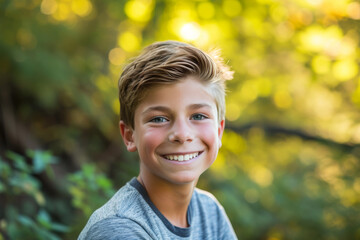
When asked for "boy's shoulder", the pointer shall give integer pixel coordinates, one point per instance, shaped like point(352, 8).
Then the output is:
point(207, 202)
point(206, 196)
point(120, 202)
point(125, 202)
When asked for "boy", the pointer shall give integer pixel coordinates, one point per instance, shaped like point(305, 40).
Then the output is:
point(172, 113)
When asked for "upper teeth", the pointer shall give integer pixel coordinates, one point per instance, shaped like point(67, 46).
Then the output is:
point(180, 158)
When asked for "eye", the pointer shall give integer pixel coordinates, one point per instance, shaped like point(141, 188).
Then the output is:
point(158, 120)
point(198, 117)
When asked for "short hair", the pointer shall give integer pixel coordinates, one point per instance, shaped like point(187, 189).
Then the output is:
point(168, 62)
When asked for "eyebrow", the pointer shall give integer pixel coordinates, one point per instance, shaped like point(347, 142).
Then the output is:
point(156, 108)
point(199, 105)
point(166, 109)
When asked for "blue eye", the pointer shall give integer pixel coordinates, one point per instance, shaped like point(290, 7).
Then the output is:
point(198, 117)
point(158, 120)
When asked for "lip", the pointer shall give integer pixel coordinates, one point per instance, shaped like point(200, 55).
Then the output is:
point(182, 153)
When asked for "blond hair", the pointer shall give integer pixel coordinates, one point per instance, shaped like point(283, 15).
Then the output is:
point(167, 63)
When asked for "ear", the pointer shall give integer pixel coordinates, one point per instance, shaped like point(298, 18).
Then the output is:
point(221, 131)
point(127, 134)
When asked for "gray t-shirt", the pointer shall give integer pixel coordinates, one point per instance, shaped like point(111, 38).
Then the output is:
point(130, 214)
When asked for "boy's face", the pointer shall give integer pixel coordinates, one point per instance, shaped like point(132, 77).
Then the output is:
point(177, 134)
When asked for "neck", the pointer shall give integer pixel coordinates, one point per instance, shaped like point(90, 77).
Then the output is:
point(172, 200)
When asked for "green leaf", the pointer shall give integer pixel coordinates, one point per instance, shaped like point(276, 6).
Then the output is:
point(89, 170)
point(41, 159)
point(59, 227)
point(26, 221)
point(103, 182)
point(44, 219)
point(19, 161)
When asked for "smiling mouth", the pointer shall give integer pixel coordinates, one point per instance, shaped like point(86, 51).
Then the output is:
point(181, 157)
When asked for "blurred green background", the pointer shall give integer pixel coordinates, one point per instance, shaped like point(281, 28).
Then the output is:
point(289, 166)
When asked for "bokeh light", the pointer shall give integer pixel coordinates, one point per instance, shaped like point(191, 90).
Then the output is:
point(129, 41)
point(48, 6)
point(117, 56)
point(139, 10)
point(81, 7)
point(190, 31)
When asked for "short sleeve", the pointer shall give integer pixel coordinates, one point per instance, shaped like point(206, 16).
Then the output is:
point(227, 231)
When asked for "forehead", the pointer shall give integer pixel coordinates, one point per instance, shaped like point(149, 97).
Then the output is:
point(183, 93)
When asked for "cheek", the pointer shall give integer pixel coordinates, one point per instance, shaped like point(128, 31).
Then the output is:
point(209, 135)
point(151, 139)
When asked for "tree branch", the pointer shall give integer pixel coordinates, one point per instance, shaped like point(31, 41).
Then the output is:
point(272, 130)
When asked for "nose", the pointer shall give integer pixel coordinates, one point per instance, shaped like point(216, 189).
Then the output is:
point(181, 132)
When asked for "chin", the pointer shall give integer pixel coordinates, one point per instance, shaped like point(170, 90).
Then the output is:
point(184, 179)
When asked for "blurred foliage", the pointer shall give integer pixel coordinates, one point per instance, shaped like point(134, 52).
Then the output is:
point(25, 211)
point(89, 190)
point(287, 188)
point(289, 165)
point(86, 188)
